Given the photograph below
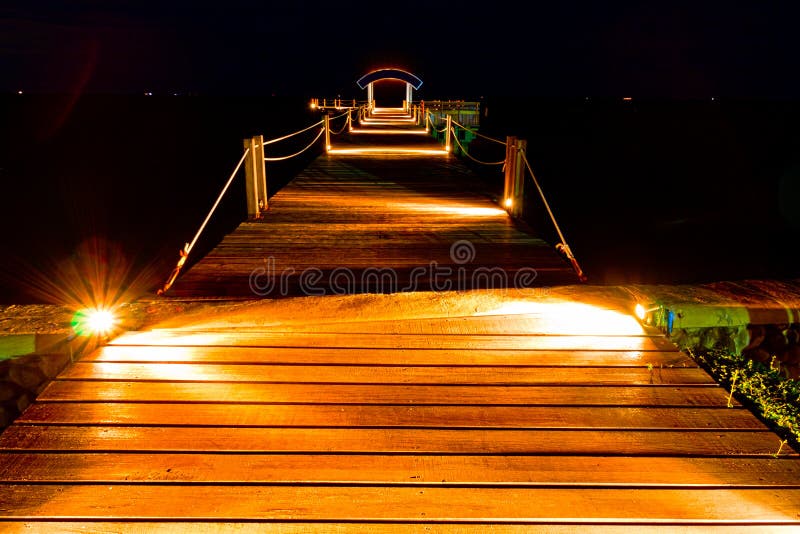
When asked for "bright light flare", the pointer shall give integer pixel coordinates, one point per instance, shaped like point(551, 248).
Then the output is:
point(640, 312)
point(94, 322)
point(577, 318)
point(508, 203)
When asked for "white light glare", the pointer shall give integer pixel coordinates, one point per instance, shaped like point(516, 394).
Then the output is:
point(100, 321)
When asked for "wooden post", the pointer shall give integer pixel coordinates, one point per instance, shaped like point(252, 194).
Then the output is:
point(327, 132)
point(514, 188)
point(256, 177)
point(447, 133)
point(350, 120)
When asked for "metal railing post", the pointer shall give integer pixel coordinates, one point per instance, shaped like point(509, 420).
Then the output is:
point(256, 177)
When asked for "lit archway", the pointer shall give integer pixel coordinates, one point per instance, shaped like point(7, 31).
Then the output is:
point(368, 80)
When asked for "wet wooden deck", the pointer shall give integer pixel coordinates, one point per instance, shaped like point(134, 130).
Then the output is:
point(547, 416)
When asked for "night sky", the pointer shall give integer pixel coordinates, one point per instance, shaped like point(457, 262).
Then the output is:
point(554, 48)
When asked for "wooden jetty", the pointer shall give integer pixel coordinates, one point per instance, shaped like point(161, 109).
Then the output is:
point(539, 413)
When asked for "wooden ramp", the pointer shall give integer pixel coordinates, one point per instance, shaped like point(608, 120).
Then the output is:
point(433, 424)
point(377, 221)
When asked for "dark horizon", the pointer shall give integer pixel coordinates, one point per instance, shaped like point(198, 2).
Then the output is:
point(574, 49)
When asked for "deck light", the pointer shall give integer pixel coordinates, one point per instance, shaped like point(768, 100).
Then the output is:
point(508, 203)
point(94, 321)
point(646, 314)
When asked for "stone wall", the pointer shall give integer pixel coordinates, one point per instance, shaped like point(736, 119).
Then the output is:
point(23, 378)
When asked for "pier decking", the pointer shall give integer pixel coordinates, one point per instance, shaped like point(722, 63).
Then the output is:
point(425, 412)
point(380, 213)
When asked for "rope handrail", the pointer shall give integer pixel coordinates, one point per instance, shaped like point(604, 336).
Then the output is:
point(339, 115)
point(344, 126)
point(271, 141)
point(282, 158)
point(187, 248)
point(478, 134)
point(464, 151)
point(433, 125)
point(562, 246)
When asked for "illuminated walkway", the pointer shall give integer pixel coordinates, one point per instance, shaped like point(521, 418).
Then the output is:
point(507, 417)
point(381, 213)
point(414, 410)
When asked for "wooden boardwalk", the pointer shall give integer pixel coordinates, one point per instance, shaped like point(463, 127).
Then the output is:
point(379, 222)
point(451, 422)
point(537, 413)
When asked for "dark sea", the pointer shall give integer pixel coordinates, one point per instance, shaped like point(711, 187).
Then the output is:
point(645, 191)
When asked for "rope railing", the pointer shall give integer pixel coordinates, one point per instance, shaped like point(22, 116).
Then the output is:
point(562, 246)
point(433, 123)
point(187, 248)
point(283, 158)
point(277, 139)
point(470, 156)
point(344, 126)
point(478, 134)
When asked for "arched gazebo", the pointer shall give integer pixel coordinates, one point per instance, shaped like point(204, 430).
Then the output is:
point(367, 81)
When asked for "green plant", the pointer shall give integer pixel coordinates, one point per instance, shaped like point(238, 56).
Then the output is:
point(775, 398)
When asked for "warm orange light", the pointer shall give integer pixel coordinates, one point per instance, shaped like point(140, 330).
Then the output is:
point(640, 312)
point(328, 148)
point(451, 208)
point(387, 131)
point(94, 321)
point(627, 98)
point(313, 105)
point(561, 317)
point(508, 203)
point(389, 151)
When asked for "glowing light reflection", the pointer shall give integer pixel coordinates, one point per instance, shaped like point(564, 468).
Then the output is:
point(389, 151)
point(573, 317)
point(457, 209)
point(367, 122)
point(386, 131)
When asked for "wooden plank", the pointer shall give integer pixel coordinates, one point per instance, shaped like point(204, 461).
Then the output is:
point(642, 396)
point(321, 503)
point(394, 440)
point(234, 338)
point(366, 374)
point(548, 319)
point(362, 356)
point(211, 527)
point(344, 415)
point(399, 469)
